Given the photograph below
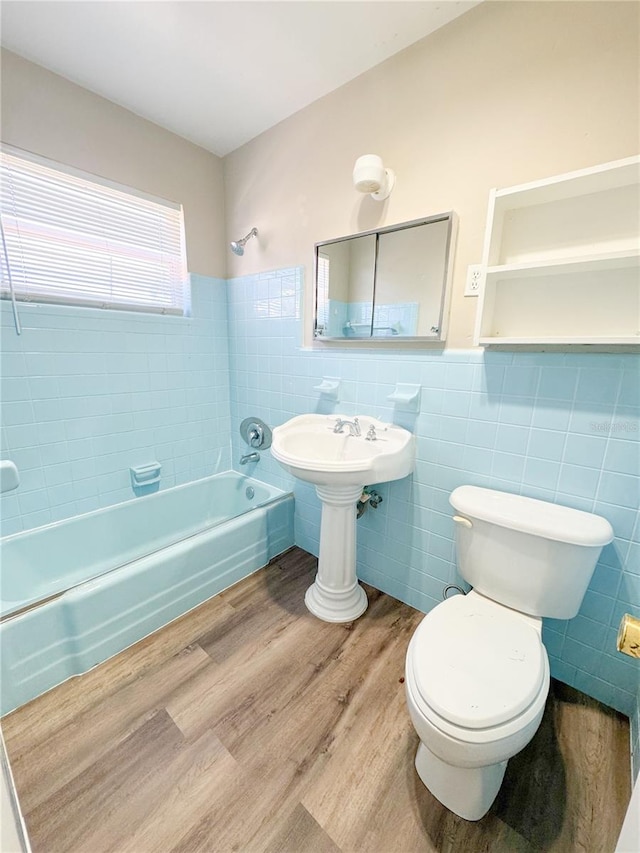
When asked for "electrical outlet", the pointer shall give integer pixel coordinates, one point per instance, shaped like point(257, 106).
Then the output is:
point(474, 274)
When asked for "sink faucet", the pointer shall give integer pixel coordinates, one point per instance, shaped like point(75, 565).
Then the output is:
point(249, 457)
point(354, 426)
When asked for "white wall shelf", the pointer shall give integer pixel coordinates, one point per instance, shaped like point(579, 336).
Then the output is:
point(561, 262)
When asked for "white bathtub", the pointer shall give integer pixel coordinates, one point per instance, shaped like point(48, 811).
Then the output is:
point(120, 573)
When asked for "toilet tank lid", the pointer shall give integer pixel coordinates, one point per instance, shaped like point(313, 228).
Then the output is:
point(529, 515)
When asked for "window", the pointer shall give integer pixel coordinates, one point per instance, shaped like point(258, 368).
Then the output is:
point(74, 238)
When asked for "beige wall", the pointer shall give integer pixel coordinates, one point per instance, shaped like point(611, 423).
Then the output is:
point(508, 93)
point(362, 254)
point(46, 114)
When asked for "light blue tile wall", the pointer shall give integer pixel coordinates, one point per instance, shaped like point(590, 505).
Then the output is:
point(560, 427)
point(88, 393)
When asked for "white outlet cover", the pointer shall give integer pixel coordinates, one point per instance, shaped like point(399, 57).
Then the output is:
point(472, 284)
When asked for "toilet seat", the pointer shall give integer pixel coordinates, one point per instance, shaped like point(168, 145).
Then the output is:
point(477, 670)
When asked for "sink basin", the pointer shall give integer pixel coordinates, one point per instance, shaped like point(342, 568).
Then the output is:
point(340, 464)
point(308, 448)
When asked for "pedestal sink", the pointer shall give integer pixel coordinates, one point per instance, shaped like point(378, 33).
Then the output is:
point(341, 455)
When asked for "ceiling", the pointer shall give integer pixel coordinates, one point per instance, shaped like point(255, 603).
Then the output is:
point(217, 73)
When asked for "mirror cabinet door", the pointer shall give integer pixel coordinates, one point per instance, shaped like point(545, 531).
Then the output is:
point(410, 279)
point(345, 274)
point(388, 283)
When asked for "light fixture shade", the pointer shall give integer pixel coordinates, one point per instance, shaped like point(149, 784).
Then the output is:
point(370, 176)
point(368, 173)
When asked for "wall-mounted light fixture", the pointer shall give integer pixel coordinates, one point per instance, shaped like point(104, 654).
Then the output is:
point(370, 176)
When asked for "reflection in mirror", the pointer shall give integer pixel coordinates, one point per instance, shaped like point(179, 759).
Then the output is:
point(346, 269)
point(409, 279)
point(390, 283)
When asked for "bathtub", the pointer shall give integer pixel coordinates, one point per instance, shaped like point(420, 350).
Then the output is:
point(76, 592)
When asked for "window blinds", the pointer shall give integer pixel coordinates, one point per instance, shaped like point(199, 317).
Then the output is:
point(71, 238)
point(322, 295)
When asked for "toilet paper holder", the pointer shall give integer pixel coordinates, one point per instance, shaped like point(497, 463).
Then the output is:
point(628, 641)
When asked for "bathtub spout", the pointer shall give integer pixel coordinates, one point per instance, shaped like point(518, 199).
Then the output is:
point(249, 457)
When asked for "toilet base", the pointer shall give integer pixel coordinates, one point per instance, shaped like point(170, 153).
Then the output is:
point(468, 792)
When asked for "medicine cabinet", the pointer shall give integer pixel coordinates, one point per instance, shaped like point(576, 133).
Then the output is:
point(561, 261)
point(388, 285)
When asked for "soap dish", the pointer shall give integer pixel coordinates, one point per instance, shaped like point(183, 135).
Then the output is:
point(329, 387)
point(145, 475)
point(406, 397)
point(9, 477)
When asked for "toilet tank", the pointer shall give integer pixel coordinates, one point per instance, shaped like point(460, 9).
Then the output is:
point(531, 555)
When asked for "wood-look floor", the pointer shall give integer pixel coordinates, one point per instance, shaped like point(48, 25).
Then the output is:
point(249, 725)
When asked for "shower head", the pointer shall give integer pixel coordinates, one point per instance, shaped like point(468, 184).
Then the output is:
point(237, 246)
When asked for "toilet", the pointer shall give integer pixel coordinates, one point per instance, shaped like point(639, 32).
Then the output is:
point(477, 672)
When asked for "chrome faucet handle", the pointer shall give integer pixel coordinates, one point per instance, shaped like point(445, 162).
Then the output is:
point(371, 435)
point(339, 425)
point(256, 435)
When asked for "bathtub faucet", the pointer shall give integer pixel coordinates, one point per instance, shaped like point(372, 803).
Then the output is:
point(249, 457)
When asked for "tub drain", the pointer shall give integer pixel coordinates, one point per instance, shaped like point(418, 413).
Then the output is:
point(250, 493)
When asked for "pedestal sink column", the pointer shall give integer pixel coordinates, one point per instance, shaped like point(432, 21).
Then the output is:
point(336, 595)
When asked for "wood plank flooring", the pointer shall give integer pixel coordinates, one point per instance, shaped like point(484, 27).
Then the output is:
point(249, 725)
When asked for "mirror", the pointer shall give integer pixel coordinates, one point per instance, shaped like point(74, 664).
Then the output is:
point(385, 284)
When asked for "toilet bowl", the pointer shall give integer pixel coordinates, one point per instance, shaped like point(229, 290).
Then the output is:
point(477, 672)
point(476, 681)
